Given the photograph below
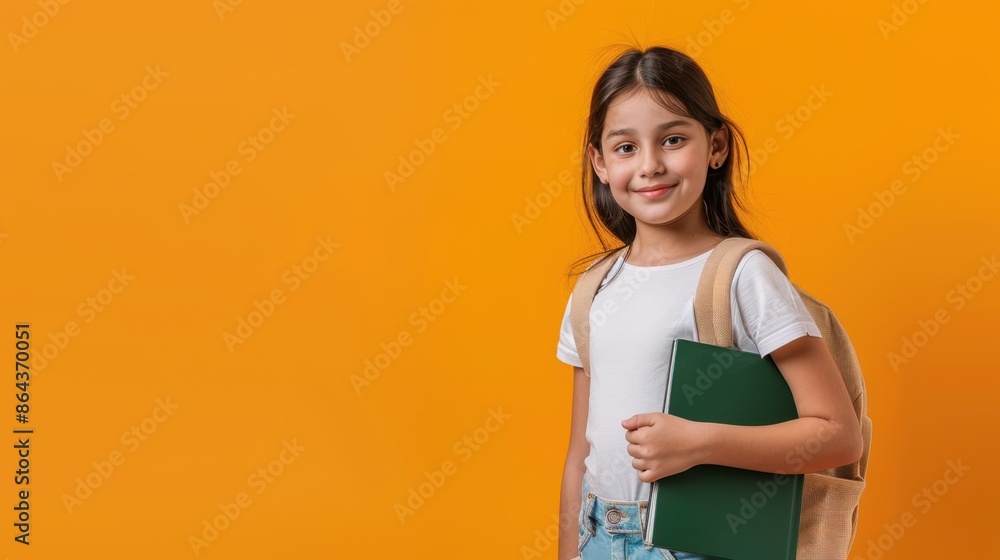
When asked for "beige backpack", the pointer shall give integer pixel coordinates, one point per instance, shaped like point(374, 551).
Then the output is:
point(831, 498)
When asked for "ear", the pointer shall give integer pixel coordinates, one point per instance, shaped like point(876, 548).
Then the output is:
point(597, 160)
point(719, 145)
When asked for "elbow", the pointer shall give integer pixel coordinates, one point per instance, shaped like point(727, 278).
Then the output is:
point(843, 441)
point(858, 449)
point(854, 452)
point(853, 443)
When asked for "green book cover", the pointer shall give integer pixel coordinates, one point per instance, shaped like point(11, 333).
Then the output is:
point(715, 510)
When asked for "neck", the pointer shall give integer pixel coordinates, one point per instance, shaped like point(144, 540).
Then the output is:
point(685, 237)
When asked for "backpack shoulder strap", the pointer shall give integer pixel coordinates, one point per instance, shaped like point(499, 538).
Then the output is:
point(583, 297)
point(713, 316)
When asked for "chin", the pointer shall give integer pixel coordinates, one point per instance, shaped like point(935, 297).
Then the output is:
point(656, 219)
point(661, 216)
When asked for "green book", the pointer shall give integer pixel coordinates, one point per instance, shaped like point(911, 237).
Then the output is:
point(714, 510)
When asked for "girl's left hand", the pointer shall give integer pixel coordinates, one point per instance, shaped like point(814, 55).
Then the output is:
point(663, 444)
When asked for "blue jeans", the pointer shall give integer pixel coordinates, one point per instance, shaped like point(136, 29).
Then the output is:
point(612, 530)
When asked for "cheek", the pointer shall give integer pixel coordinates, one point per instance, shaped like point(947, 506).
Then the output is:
point(622, 175)
point(690, 165)
point(619, 174)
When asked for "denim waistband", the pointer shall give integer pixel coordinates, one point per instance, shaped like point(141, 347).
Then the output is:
point(614, 516)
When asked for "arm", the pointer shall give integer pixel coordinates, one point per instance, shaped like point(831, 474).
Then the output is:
point(825, 435)
point(573, 471)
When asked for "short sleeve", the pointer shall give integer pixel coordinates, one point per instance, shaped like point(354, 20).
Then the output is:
point(566, 349)
point(770, 310)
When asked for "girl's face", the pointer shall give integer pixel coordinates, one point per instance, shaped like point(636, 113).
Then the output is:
point(646, 145)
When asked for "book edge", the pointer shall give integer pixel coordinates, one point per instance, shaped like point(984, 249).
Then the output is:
point(794, 520)
point(648, 537)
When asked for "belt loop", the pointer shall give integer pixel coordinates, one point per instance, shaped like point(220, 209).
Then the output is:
point(589, 522)
point(586, 506)
point(643, 511)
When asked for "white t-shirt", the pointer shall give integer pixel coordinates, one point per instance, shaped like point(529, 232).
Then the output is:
point(633, 322)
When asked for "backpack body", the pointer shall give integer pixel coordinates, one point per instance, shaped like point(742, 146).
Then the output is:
point(831, 498)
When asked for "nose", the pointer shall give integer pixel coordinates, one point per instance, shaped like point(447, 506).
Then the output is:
point(651, 164)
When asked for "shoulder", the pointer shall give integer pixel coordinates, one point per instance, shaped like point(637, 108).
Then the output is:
point(756, 264)
point(758, 277)
point(613, 260)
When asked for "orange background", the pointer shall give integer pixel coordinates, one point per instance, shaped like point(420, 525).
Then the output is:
point(491, 344)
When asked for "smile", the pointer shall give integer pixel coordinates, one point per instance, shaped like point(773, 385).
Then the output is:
point(657, 193)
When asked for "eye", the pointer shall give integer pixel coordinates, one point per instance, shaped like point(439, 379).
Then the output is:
point(625, 146)
point(678, 138)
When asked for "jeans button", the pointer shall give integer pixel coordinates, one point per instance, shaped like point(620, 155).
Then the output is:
point(613, 516)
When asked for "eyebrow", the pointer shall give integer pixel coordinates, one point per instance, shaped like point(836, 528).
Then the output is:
point(632, 131)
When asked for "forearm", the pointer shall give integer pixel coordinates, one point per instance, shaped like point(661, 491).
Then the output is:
point(798, 446)
point(569, 510)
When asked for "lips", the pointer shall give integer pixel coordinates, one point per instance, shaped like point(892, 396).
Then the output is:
point(654, 191)
point(654, 187)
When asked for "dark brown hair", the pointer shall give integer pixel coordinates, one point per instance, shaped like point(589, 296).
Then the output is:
point(680, 85)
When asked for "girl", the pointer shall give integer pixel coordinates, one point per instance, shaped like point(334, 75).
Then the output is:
point(661, 160)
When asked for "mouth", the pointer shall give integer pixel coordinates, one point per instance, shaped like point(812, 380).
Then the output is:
point(654, 191)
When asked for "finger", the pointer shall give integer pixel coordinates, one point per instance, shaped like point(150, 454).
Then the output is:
point(635, 436)
point(634, 450)
point(647, 476)
point(643, 467)
point(638, 421)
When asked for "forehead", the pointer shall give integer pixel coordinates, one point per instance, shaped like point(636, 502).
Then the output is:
point(640, 109)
